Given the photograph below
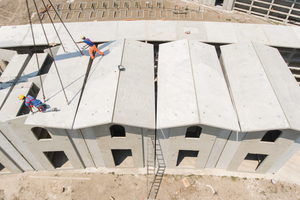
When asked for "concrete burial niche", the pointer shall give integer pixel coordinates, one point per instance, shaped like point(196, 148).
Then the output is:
point(195, 115)
point(117, 107)
point(266, 96)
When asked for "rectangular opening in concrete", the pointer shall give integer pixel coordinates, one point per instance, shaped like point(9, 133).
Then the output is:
point(116, 4)
point(105, 14)
point(93, 14)
point(271, 136)
point(71, 6)
point(252, 162)
point(163, 14)
point(69, 15)
point(60, 6)
point(193, 132)
point(105, 4)
point(140, 14)
point(122, 157)
point(187, 158)
point(137, 4)
point(152, 13)
point(41, 133)
point(3, 169)
point(148, 4)
point(117, 14)
point(81, 15)
point(127, 4)
point(128, 13)
point(159, 4)
point(94, 5)
point(117, 131)
point(58, 159)
point(82, 5)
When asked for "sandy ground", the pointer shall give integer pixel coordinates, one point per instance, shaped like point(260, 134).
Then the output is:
point(81, 185)
point(15, 12)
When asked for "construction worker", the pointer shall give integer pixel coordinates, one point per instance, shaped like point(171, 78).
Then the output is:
point(31, 101)
point(91, 45)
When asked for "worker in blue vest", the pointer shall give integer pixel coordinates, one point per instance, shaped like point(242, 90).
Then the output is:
point(31, 101)
point(91, 45)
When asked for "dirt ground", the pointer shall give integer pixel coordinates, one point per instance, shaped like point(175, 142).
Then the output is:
point(70, 185)
point(15, 12)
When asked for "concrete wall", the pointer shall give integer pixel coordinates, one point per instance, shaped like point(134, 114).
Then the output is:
point(210, 145)
point(101, 144)
point(59, 141)
point(274, 150)
point(8, 155)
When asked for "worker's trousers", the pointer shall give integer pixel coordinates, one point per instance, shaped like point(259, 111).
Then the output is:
point(92, 49)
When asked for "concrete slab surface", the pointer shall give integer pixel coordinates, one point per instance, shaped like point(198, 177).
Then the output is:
point(98, 100)
point(16, 66)
point(150, 30)
point(197, 30)
point(256, 103)
point(220, 33)
point(13, 104)
point(4, 92)
point(176, 97)
point(160, 30)
point(39, 35)
point(283, 82)
point(32, 69)
point(13, 36)
point(135, 103)
point(72, 83)
point(96, 31)
point(135, 30)
point(214, 102)
point(281, 36)
point(252, 32)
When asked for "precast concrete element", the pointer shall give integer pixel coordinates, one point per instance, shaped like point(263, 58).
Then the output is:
point(192, 97)
point(53, 148)
point(72, 83)
point(201, 146)
point(115, 151)
point(15, 68)
point(191, 70)
point(7, 55)
point(119, 96)
point(11, 110)
point(268, 153)
point(7, 153)
point(148, 30)
point(265, 95)
point(32, 69)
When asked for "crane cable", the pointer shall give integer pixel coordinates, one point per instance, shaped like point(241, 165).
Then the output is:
point(64, 26)
point(51, 52)
point(37, 60)
point(47, 10)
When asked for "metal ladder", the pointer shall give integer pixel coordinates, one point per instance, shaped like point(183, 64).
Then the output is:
point(151, 191)
point(154, 156)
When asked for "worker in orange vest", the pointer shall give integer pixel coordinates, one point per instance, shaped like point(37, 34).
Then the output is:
point(91, 45)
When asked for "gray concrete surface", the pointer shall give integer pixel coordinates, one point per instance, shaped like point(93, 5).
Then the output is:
point(214, 32)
